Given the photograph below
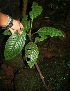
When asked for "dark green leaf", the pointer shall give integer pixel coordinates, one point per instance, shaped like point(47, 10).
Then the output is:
point(31, 52)
point(36, 10)
point(14, 45)
point(7, 32)
point(26, 23)
point(44, 31)
point(39, 39)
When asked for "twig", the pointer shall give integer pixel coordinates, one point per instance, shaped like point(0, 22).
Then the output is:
point(40, 73)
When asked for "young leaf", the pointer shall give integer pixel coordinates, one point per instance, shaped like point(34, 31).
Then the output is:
point(7, 32)
point(26, 23)
point(44, 31)
point(14, 45)
point(39, 39)
point(31, 52)
point(36, 10)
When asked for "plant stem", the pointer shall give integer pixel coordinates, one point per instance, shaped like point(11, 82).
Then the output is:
point(40, 73)
point(31, 23)
point(30, 31)
point(33, 33)
point(30, 34)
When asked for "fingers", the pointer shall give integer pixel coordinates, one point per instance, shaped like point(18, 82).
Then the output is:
point(19, 31)
point(16, 27)
point(11, 30)
point(21, 26)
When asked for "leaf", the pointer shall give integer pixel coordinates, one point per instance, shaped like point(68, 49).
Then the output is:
point(31, 52)
point(7, 32)
point(23, 30)
point(14, 45)
point(68, 63)
point(44, 31)
point(39, 39)
point(36, 10)
point(26, 23)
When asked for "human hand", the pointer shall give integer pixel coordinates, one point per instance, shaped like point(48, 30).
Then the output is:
point(16, 24)
point(16, 27)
